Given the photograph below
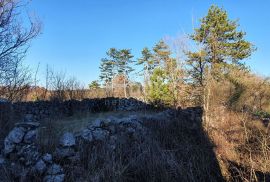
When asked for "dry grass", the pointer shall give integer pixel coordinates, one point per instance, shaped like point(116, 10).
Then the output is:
point(242, 146)
point(175, 150)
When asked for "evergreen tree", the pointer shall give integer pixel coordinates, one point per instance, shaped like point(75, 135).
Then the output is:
point(222, 43)
point(94, 85)
point(161, 54)
point(159, 89)
point(147, 60)
point(124, 68)
point(118, 62)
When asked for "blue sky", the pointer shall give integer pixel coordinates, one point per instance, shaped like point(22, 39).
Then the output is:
point(76, 34)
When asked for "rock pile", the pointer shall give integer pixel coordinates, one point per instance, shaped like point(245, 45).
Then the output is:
point(47, 109)
point(22, 157)
point(24, 161)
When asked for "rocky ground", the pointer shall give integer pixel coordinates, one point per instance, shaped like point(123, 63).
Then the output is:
point(140, 148)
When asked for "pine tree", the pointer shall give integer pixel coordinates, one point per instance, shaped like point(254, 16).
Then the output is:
point(159, 89)
point(125, 68)
point(118, 63)
point(161, 54)
point(94, 85)
point(221, 41)
point(106, 73)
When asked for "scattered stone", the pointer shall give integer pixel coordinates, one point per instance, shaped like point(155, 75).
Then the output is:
point(28, 125)
point(100, 134)
point(8, 146)
point(66, 152)
point(28, 118)
point(47, 158)
point(96, 123)
point(30, 136)
point(40, 166)
point(68, 140)
point(16, 135)
point(29, 154)
point(54, 178)
point(2, 160)
point(2, 100)
point(86, 134)
point(54, 169)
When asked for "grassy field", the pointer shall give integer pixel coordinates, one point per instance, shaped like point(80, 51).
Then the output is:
point(52, 129)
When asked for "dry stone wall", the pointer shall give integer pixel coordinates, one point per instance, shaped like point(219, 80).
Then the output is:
point(40, 110)
point(77, 153)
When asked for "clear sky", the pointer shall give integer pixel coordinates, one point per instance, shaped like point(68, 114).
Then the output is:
point(76, 34)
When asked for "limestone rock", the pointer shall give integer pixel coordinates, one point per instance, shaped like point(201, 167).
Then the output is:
point(54, 169)
point(30, 136)
point(28, 118)
point(86, 134)
point(28, 125)
point(47, 158)
point(16, 135)
point(8, 146)
point(100, 134)
point(2, 160)
point(29, 154)
point(64, 152)
point(40, 166)
point(67, 140)
point(96, 123)
point(54, 178)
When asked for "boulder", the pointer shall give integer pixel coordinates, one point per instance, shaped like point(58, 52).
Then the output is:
point(16, 135)
point(30, 136)
point(64, 152)
point(54, 169)
point(28, 118)
point(47, 158)
point(8, 146)
point(96, 123)
point(2, 160)
point(67, 140)
point(3, 100)
point(86, 134)
point(40, 166)
point(28, 125)
point(100, 134)
point(54, 178)
point(29, 154)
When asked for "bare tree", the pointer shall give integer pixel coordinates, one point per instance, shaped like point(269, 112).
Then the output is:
point(14, 43)
point(17, 83)
point(58, 86)
point(74, 89)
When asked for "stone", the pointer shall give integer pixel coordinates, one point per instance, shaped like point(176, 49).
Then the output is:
point(28, 118)
point(75, 158)
point(54, 178)
point(86, 134)
point(30, 136)
point(29, 154)
point(28, 125)
point(18, 171)
point(47, 158)
point(62, 153)
point(3, 100)
point(8, 146)
point(100, 134)
point(40, 166)
point(67, 140)
point(16, 135)
point(96, 123)
point(54, 169)
point(2, 160)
